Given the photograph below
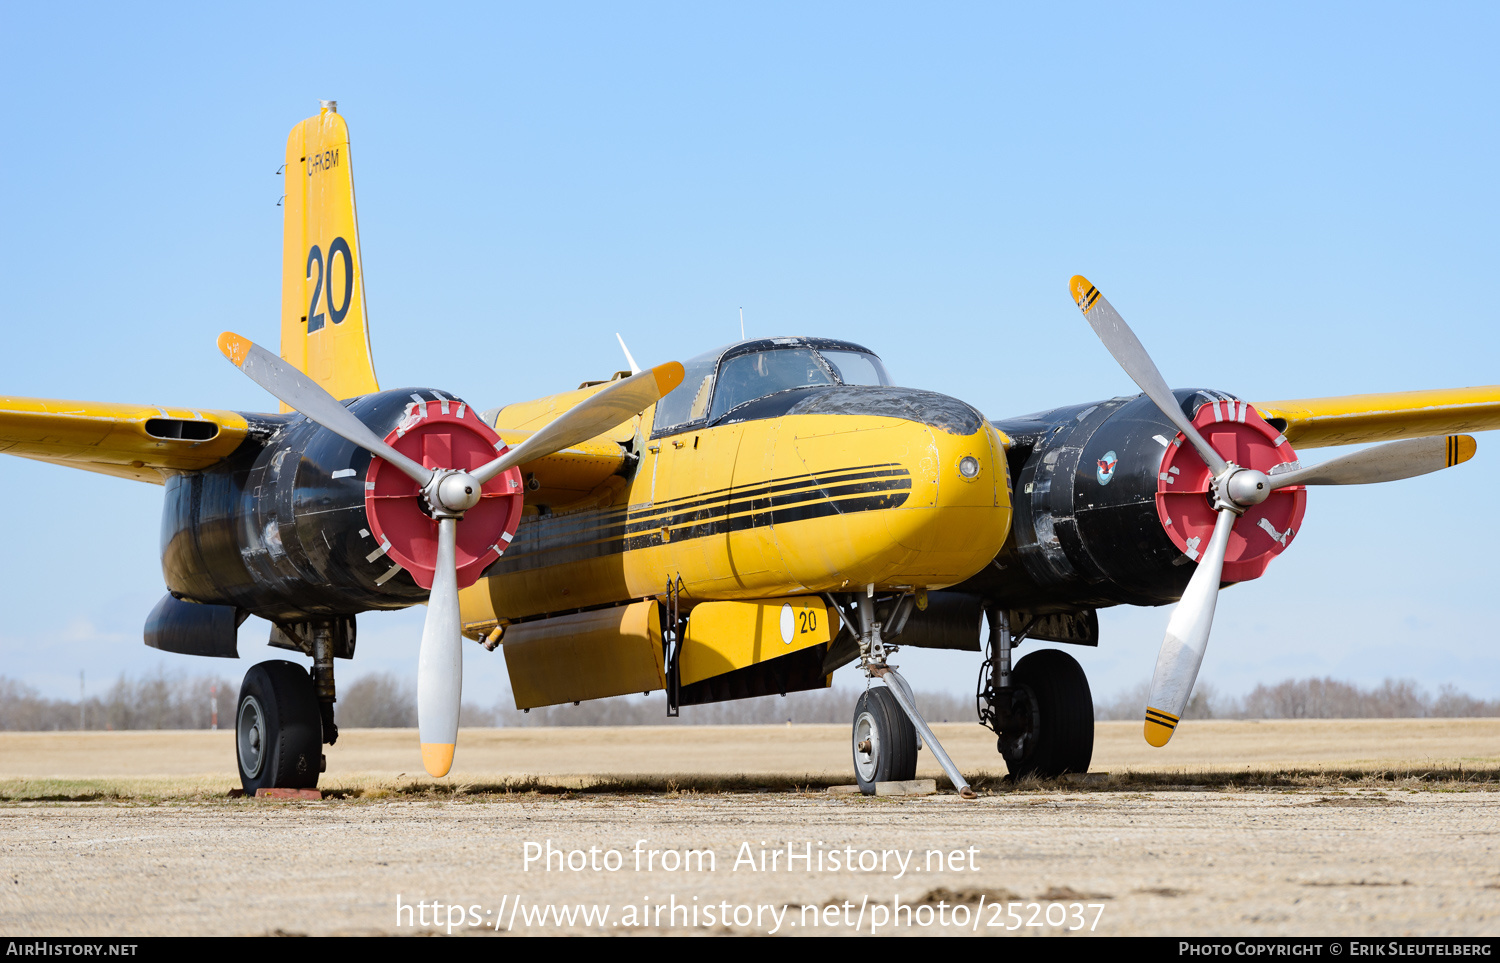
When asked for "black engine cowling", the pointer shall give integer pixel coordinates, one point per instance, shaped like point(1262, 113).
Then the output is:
point(1088, 530)
point(279, 529)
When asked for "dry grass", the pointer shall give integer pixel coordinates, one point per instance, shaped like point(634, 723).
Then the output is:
point(145, 768)
point(373, 787)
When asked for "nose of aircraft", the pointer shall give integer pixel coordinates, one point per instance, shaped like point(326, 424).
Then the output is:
point(919, 482)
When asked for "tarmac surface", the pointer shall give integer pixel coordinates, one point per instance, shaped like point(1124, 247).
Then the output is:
point(1316, 829)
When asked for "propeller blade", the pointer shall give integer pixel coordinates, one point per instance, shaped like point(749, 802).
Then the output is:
point(309, 398)
point(1187, 637)
point(1390, 462)
point(440, 665)
point(597, 413)
point(1131, 355)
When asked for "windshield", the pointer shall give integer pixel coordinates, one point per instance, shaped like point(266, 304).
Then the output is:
point(751, 375)
point(856, 368)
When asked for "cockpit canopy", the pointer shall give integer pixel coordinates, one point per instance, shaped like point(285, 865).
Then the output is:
point(719, 381)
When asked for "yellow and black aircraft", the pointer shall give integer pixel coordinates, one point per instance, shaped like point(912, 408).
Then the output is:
point(742, 524)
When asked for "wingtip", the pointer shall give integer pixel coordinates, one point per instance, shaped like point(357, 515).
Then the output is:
point(437, 757)
point(234, 347)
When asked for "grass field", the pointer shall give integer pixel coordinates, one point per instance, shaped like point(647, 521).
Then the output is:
point(198, 764)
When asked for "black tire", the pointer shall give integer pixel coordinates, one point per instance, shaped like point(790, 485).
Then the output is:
point(278, 731)
point(891, 753)
point(1054, 696)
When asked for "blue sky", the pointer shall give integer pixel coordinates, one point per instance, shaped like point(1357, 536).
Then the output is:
point(1284, 201)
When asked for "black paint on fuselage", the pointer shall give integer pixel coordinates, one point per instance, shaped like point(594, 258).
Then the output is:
point(273, 532)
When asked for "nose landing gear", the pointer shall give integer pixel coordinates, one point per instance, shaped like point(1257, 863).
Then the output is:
point(886, 721)
point(885, 741)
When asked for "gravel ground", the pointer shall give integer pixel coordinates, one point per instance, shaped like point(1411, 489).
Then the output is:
point(1281, 862)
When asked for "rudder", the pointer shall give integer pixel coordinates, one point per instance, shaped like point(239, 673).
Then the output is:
point(323, 329)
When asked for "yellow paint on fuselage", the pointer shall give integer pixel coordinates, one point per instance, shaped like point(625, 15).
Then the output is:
point(724, 636)
point(783, 506)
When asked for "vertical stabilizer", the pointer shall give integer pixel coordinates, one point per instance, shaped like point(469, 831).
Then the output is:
point(323, 329)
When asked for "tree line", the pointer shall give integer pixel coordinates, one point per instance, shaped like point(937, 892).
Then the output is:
point(165, 700)
point(1324, 698)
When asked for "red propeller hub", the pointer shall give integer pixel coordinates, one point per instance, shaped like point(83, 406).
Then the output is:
point(442, 434)
point(1237, 432)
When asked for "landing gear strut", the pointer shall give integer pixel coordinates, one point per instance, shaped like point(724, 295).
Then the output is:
point(284, 717)
point(1042, 711)
point(883, 740)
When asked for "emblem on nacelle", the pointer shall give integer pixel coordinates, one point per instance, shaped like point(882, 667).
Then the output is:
point(1106, 467)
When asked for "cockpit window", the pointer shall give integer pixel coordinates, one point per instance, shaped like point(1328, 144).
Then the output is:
point(688, 402)
point(752, 376)
point(857, 368)
point(783, 364)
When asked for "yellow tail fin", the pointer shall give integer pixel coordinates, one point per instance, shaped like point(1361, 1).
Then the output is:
point(323, 330)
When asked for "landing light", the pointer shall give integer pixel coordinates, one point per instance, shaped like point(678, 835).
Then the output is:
point(968, 466)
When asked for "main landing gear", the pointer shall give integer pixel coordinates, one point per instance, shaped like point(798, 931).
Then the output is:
point(1042, 711)
point(284, 715)
point(278, 731)
point(888, 729)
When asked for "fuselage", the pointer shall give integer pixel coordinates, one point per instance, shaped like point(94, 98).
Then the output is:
point(811, 488)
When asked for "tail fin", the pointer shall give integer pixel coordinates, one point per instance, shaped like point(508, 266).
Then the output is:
point(323, 330)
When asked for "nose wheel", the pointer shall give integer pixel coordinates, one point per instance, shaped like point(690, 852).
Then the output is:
point(884, 741)
point(278, 729)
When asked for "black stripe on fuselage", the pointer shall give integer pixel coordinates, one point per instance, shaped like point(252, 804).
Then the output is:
point(698, 500)
point(546, 541)
point(572, 525)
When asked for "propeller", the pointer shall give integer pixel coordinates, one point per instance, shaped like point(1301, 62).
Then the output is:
point(448, 493)
point(1233, 489)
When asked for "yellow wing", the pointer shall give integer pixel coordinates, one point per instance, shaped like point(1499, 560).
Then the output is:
point(1355, 419)
point(141, 442)
point(584, 473)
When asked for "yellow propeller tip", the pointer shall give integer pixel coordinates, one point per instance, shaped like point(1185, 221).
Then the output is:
point(1159, 727)
point(1460, 449)
point(668, 376)
point(1084, 294)
point(437, 758)
point(234, 347)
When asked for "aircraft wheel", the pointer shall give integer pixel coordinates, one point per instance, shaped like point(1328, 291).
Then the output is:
point(278, 731)
point(885, 741)
point(1057, 709)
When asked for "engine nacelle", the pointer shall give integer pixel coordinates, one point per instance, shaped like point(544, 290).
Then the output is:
point(1110, 503)
point(292, 525)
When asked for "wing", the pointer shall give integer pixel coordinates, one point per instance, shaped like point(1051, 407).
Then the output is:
point(1356, 419)
point(565, 478)
point(141, 442)
point(579, 473)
